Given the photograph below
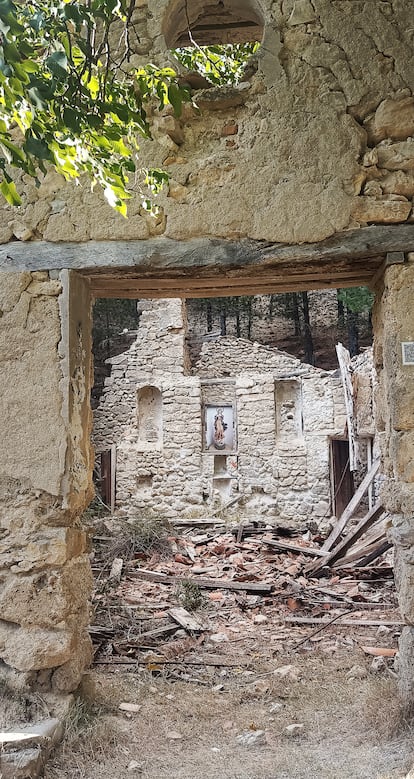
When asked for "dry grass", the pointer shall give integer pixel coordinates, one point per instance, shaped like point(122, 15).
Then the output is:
point(343, 734)
point(139, 536)
point(20, 707)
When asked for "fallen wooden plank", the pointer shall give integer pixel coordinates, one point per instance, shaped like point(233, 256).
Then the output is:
point(306, 550)
point(351, 507)
point(375, 551)
point(362, 550)
point(365, 523)
point(344, 361)
point(219, 663)
point(186, 620)
point(136, 641)
point(208, 584)
point(200, 522)
point(346, 622)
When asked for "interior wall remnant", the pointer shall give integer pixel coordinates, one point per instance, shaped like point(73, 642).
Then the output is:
point(45, 477)
point(393, 325)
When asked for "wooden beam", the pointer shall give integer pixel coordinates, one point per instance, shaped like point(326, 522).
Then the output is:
point(365, 523)
point(165, 254)
point(351, 507)
point(209, 584)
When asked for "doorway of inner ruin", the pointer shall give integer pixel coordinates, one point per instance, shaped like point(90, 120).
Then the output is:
point(342, 479)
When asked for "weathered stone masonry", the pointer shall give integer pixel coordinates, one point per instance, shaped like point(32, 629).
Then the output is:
point(45, 575)
point(285, 414)
point(323, 148)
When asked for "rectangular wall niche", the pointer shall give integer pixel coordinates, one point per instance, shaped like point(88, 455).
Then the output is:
point(288, 400)
point(149, 417)
point(219, 430)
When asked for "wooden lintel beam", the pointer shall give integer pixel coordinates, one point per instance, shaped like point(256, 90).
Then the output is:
point(216, 254)
point(233, 279)
point(133, 289)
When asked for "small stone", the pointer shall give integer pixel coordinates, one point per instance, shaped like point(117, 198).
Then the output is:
point(134, 766)
point(382, 630)
point(218, 638)
point(357, 672)
point(133, 708)
point(378, 664)
point(259, 619)
point(173, 735)
point(252, 738)
point(294, 729)
point(274, 707)
point(288, 672)
point(231, 128)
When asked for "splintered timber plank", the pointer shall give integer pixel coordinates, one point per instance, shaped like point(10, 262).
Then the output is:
point(351, 507)
point(186, 620)
point(363, 549)
point(371, 554)
point(339, 551)
point(208, 584)
point(359, 623)
point(295, 548)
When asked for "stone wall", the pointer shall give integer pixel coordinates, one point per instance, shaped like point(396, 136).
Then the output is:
point(322, 137)
point(285, 413)
point(394, 324)
point(45, 477)
point(322, 142)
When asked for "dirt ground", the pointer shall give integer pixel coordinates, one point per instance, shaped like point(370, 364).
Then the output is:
point(352, 727)
point(219, 703)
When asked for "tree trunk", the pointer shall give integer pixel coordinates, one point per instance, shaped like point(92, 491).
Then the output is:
point(341, 311)
point(295, 311)
point(209, 313)
point(223, 322)
point(250, 317)
point(307, 332)
point(238, 328)
point(353, 332)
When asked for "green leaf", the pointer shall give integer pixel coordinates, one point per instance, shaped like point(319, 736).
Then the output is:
point(38, 148)
point(9, 192)
point(58, 64)
point(36, 99)
point(175, 97)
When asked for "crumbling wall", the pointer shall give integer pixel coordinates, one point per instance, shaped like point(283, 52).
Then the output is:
point(394, 324)
point(318, 140)
point(284, 413)
point(45, 482)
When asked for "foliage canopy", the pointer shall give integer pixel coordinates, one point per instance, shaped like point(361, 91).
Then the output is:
point(70, 97)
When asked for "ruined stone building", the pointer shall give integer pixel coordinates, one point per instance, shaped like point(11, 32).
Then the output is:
point(281, 449)
point(312, 187)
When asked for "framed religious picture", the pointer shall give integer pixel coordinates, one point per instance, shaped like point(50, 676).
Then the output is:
point(219, 432)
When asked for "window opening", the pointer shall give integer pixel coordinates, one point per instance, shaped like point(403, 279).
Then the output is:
point(214, 40)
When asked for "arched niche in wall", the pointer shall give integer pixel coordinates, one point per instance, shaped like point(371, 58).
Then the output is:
point(149, 416)
point(212, 22)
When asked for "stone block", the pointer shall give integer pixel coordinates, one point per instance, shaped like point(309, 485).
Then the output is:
point(32, 649)
point(393, 119)
point(386, 211)
point(45, 599)
point(22, 764)
point(406, 666)
point(401, 448)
